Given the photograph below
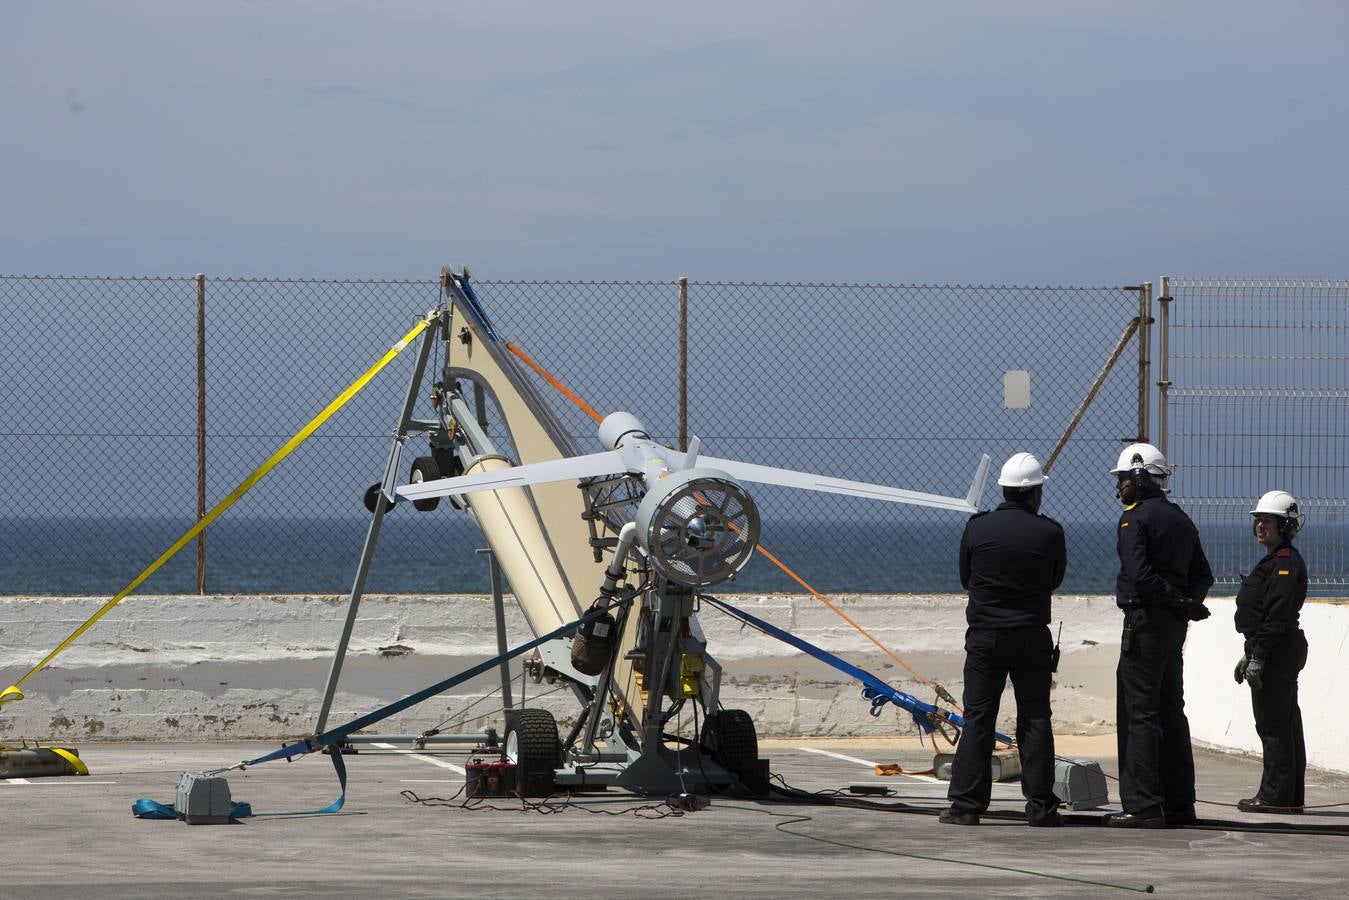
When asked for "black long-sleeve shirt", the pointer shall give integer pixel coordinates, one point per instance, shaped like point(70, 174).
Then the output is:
point(1270, 600)
point(1160, 557)
point(1011, 560)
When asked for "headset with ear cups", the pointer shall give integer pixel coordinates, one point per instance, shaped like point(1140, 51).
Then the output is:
point(1289, 525)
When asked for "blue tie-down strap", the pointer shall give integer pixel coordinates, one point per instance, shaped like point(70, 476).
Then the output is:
point(875, 691)
point(145, 808)
point(922, 711)
point(149, 809)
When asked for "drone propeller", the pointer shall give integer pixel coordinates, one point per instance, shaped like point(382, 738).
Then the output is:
point(697, 527)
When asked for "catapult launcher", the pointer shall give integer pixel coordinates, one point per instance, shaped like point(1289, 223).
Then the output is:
point(621, 544)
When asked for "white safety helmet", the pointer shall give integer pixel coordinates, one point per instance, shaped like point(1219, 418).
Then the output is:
point(1141, 456)
point(1022, 470)
point(1281, 504)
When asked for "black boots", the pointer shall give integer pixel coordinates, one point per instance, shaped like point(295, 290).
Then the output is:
point(953, 816)
point(1261, 805)
point(1129, 820)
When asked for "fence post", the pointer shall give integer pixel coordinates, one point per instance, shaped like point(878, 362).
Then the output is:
point(1144, 359)
point(683, 362)
point(201, 431)
point(1164, 381)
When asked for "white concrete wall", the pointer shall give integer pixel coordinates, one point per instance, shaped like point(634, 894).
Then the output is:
point(245, 667)
point(1220, 709)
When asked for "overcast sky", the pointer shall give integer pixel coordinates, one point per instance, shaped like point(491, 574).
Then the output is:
point(1046, 143)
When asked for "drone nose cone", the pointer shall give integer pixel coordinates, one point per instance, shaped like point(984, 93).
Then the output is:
point(618, 425)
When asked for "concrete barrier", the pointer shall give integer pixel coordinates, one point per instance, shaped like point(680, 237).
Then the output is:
point(1220, 709)
point(231, 667)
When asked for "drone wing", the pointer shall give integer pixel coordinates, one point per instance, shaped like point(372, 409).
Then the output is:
point(573, 467)
point(806, 480)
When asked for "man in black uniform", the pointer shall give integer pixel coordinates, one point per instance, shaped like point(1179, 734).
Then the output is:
point(1163, 579)
point(1011, 560)
point(1268, 605)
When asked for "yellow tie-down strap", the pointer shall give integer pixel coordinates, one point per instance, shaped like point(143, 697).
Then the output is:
point(75, 761)
point(12, 693)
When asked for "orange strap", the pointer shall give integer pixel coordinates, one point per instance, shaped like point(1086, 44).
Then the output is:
point(844, 616)
point(562, 388)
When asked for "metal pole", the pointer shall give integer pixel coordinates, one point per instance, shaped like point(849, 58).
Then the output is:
point(372, 535)
point(683, 362)
point(499, 608)
point(201, 431)
point(1164, 382)
point(1144, 356)
point(1091, 393)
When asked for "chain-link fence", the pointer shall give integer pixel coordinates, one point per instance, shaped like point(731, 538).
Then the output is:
point(907, 385)
point(1254, 397)
point(904, 385)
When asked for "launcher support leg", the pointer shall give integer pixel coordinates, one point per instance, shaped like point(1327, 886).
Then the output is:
point(499, 608)
point(653, 722)
point(656, 772)
point(386, 489)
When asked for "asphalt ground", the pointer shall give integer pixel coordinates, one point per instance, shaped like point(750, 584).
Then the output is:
point(76, 837)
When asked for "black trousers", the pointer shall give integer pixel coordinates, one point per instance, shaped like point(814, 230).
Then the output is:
point(991, 655)
point(1278, 721)
point(1156, 763)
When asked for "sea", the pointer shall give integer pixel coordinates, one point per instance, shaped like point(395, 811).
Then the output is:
point(436, 555)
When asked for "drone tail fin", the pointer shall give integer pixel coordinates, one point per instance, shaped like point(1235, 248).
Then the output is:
point(977, 487)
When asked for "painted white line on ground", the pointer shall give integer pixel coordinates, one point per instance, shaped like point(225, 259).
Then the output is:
point(851, 759)
point(866, 762)
point(15, 780)
point(428, 781)
point(431, 759)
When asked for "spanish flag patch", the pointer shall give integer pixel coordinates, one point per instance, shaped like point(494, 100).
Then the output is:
point(1283, 571)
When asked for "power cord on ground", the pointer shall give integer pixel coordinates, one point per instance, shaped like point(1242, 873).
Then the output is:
point(549, 806)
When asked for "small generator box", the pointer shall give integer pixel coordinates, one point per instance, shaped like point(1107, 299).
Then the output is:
point(490, 779)
point(1080, 783)
point(202, 799)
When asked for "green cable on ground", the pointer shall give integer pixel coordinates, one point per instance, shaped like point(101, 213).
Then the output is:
point(796, 818)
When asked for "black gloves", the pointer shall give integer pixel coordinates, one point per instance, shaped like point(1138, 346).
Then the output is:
point(1239, 673)
point(1255, 673)
point(1190, 609)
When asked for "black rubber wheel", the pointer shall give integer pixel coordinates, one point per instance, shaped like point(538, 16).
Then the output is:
point(729, 736)
point(371, 497)
point(448, 461)
point(424, 468)
point(533, 745)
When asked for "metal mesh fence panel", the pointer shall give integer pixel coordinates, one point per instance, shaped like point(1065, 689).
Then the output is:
point(901, 385)
point(612, 343)
point(904, 385)
point(1258, 400)
point(278, 352)
point(99, 413)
